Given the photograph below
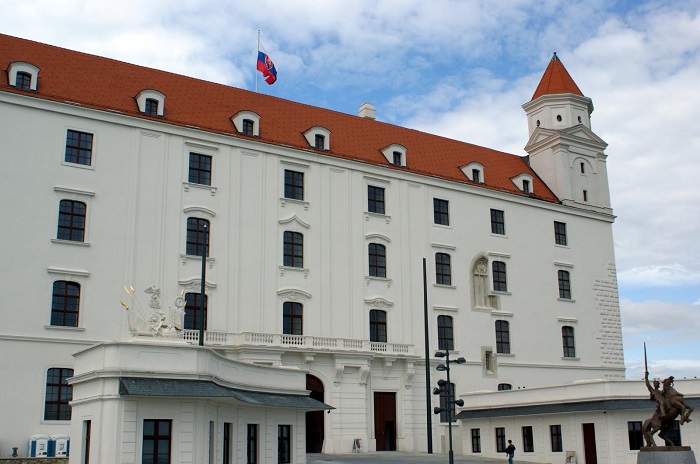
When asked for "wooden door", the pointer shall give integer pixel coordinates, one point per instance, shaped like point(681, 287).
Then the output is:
point(385, 420)
point(589, 450)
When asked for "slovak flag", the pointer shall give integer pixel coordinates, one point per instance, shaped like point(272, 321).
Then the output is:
point(267, 67)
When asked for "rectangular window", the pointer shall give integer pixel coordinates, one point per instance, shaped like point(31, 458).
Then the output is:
point(252, 444)
point(528, 441)
point(156, 441)
point(500, 283)
point(526, 186)
point(585, 195)
point(293, 185)
point(79, 148)
point(498, 225)
point(200, 169)
point(476, 440)
point(71, 220)
point(248, 127)
point(58, 394)
point(441, 212)
point(675, 434)
point(87, 432)
point(488, 361)
point(397, 158)
point(634, 435)
point(284, 444)
point(564, 285)
point(447, 401)
point(375, 199)
point(292, 318)
point(555, 436)
point(195, 312)
point(227, 457)
point(293, 249)
point(151, 107)
point(445, 333)
point(560, 233)
point(567, 335)
point(377, 260)
point(502, 337)
point(377, 326)
point(320, 142)
point(476, 176)
point(197, 237)
point(443, 269)
point(65, 303)
point(23, 81)
point(500, 439)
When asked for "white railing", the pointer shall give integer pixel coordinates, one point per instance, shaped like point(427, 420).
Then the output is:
point(224, 339)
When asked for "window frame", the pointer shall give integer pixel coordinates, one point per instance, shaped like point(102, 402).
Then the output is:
point(635, 437)
point(72, 224)
point(68, 300)
point(445, 326)
point(443, 269)
point(568, 335)
point(555, 438)
point(378, 326)
point(58, 393)
point(376, 199)
point(248, 127)
point(252, 443)
point(151, 107)
point(293, 249)
point(376, 253)
point(200, 169)
point(528, 439)
point(157, 438)
point(564, 282)
point(504, 387)
point(476, 440)
point(502, 337)
point(498, 222)
point(198, 234)
point(499, 276)
point(500, 439)
point(292, 318)
point(560, 237)
point(23, 81)
point(79, 148)
point(193, 308)
point(441, 212)
point(293, 185)
point(284, 444)
point(319, 142)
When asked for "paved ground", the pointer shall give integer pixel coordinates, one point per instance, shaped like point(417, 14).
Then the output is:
point(383, 457)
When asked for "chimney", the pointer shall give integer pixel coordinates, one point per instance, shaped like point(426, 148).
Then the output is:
point(367, 111)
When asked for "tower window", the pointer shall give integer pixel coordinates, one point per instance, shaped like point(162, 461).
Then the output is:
point(559, 118)
point(580, 120)
point(583, 168)
point(585, 195)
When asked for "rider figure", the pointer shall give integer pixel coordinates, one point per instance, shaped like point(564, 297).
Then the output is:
point(656, 395)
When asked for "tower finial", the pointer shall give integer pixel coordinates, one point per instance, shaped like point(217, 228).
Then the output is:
point(555, 57)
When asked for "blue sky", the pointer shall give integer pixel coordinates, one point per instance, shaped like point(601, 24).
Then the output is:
point(461, 69)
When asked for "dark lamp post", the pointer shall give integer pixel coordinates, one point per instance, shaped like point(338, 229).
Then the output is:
point(445, 386)
point(204, 285)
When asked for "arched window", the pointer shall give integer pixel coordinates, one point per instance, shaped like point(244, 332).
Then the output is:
point(293, 249)
point(502, 337)
point(443, 269)
point(292, 318)
point(377, 326)
point(377, 260)
point(65, 303)
point(504, 387)
point(197, 237)
point(445, 333)
point(195, 312)
point(71, 221)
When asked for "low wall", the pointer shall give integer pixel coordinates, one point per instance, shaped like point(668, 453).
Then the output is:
point(26, 460)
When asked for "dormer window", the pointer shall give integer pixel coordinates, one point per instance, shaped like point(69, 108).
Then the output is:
point(474, 172)
point(320, 142)
point(151, 102)
point(23, 76)
point(151, 107)
point(247, 123)
point(248, 127)
point(395, 154)
point(318, 137)
point(524, 183)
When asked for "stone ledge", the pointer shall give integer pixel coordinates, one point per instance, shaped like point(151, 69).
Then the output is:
point(26, 460)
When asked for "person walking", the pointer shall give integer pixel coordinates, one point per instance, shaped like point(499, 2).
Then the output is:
point(510, 451)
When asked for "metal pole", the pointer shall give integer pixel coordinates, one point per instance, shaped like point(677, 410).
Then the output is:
point(203, 285)
point(429, 412)
point(450, 403)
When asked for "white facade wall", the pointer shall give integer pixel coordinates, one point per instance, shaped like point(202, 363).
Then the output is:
point(138, 201)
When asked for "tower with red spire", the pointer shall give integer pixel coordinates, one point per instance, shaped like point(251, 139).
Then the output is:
point(562, 148)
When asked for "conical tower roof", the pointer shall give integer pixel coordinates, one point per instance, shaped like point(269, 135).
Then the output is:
point(556, 79)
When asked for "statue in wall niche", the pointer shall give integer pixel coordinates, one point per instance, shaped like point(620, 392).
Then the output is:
point(669, 406)
point(154, 322)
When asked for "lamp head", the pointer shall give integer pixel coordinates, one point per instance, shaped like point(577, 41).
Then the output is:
point(441, 367)
point(460, 360)
point(439, 354)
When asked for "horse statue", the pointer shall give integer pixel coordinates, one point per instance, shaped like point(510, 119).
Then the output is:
point(669, 405)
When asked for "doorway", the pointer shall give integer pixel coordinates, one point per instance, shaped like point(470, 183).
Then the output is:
point(589, 448)
point(314, 419)
point(385, 420)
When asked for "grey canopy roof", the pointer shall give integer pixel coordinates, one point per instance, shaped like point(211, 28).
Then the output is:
point(175, 388)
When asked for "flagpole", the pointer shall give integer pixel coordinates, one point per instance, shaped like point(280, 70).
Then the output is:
point(256, 60)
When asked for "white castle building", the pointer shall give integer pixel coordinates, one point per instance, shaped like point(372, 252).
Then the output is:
point(314, 225)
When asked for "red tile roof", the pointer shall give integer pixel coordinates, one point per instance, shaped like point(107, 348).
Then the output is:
point(106, 84)
point(556, 79)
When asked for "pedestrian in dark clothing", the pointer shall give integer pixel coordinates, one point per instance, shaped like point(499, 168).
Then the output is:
point(510, 451)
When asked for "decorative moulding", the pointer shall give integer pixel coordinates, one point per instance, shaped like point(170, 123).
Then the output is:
point(294, 218)
point(294, 294)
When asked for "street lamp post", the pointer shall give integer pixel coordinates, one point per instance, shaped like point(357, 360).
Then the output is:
point(446, 388)
point(203, 285)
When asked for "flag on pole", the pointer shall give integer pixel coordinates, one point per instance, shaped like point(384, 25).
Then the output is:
point(267, 67)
